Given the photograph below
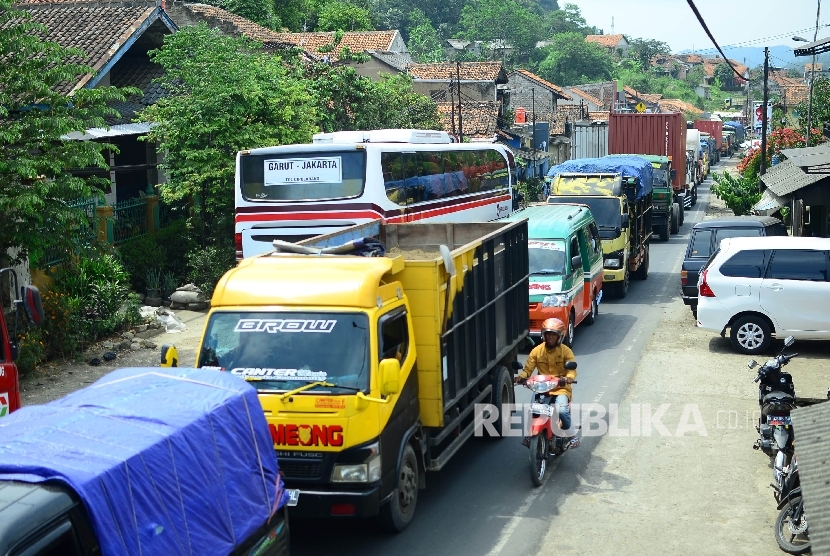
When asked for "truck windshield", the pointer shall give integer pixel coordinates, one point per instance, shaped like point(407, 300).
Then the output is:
point(301, 176)
point(546, 257)
point(606, 211)
point(279, 351)
point(660, 178)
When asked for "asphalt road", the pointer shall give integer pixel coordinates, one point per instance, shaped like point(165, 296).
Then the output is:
point(483, 502)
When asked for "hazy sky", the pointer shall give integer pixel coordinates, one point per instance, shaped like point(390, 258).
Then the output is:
point(742, 22)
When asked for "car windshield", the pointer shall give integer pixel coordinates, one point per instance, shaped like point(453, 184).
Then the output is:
point(660, 179)
point(546, 257)
point(606, 211)
point(279, 351)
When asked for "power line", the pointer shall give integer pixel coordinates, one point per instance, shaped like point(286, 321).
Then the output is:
point(762, 40)
point(708, 32)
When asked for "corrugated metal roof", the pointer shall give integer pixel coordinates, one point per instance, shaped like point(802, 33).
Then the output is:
point(770, 202)
point(113, 131)
point(782, 179)
point(813, 426)
point(812, 159)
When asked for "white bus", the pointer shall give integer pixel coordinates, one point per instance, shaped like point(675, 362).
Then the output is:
point(294, 192)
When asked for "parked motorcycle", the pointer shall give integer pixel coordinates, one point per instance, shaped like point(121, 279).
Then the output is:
point(776, 398)
point(544, 443)
point(791, 528)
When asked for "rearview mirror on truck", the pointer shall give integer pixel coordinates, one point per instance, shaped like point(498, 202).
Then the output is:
point(624, 223)
point(390, 371)
point(673, 174)
point(576, 262)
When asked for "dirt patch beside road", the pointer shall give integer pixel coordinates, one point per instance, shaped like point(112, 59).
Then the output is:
point(54, 380)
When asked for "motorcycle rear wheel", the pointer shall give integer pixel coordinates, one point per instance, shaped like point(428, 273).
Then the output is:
point(787, 541)
point(538, 458)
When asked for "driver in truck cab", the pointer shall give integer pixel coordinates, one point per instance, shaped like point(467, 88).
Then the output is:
point(550, 358)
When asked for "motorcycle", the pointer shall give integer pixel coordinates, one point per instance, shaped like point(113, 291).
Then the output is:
point(791, 528)
point(776, 398)
point(544, 444)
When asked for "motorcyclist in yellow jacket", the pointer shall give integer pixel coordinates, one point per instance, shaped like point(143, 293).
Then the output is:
point(550, 358)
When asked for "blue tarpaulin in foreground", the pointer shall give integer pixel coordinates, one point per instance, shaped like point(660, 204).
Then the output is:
point(625, 165)
point(166, 461)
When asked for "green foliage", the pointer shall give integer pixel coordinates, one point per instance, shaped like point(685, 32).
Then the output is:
point(643, 50)
point(224, 95)
point(506, 22)
point(35, 182)
point(821, 107)
point(165, 251)
point(209, 264)
point(694, 76)
point(258, 11)
point(296, 15)
point(724, 73)
point(572, 61)
point(568, 19)
point(343, 16)
point(740, 193)
point(424, 43)
point(531, 189)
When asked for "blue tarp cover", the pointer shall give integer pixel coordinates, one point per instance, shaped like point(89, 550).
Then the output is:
point(166, 460)
point(625, 165)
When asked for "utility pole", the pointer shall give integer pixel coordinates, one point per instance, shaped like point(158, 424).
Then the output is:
point(764, 114)
point(533, 133)
point(460, 121)
point(452, 106)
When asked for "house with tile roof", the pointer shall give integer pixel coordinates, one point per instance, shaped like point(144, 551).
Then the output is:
point(616, 45)
point(477, 81)
point(478, 121)
point(115, 38)
point(677, 105)
point(634, 97)
point(596, 97)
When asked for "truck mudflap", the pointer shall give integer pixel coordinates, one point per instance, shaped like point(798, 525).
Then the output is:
point(321, 502)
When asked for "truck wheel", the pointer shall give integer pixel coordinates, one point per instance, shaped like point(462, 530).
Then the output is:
point(642, 272)
point(620, 289)
point(681, 216)
point(694, 196)
point(675, 226)
point(397, 514)
point(502, 395)
point(664, 232)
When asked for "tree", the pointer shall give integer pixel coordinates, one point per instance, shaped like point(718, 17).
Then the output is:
point(724, 74)
point(258, 11)
point(424, 44)
point(224, 95)
point(568, 19)
point(740, 193)
point(36, 111)
point(821, 107)
point(643, 50)
point(694, 76)
point(573, 61)
point(501, 21)
point(344, 16)
point(391, 103)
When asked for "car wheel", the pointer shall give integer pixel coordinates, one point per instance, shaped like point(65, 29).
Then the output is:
point(592, 317)
point(750, 335)
point(569, 339)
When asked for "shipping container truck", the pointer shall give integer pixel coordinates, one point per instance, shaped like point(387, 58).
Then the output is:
point(590, 140)
point(660, 134)
point(693, 147)
point(369, 368)
point(664, 211)
point(617, 189)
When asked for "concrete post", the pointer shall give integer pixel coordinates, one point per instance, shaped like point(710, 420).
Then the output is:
point(105, 216)
point(152, 214)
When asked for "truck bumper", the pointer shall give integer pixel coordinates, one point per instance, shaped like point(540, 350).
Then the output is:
point(659, 220)
point(609, 275)
point(320, 503)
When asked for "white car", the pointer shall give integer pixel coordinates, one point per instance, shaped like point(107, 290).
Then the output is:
point(760, 287)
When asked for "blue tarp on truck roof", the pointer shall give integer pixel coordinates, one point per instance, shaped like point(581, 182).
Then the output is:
point(626, 165)
point(166, 460)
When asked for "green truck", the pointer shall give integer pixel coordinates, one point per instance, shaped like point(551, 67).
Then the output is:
point(665, 212)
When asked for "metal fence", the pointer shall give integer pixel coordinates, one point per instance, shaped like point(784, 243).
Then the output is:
point(129, 220)
point(169, 213)
point(85, 233)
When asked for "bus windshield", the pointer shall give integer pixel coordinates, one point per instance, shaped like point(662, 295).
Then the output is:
point(303, 176)
point(278, 351)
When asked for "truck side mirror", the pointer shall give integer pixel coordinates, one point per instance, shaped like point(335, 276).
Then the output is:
point(673, 174)
point(624, 223)
point(32, 305)
point(169, 356)
point(576, 262)
point(390, 371)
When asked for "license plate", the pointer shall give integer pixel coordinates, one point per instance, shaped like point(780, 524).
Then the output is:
point(293, 496)
point(542, 409)
point(786, 420)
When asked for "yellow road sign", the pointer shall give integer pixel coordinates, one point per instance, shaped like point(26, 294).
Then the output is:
point(640, 107)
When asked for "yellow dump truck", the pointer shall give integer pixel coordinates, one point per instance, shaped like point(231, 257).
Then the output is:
point(369, 368)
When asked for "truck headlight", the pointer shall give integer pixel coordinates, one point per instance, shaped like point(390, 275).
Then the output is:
point(612, 263)
point(367, 472)
point(555, 301)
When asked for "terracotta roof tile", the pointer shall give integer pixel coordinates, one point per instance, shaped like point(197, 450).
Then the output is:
point(556, 89)
point(470, 71)
point(98, 31)
point(479, 119)
point(793, 94)
point(598, 116)
point(709, 65)
point(238, 25)
point(361, 41)
point(398, 60)
point(677, 105)
point(586, 96)
point(139, 73)
point(690, 58)
point(807, 67)
point(608, 41)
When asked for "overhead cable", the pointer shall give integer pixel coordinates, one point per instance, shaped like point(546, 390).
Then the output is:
point(706, 28)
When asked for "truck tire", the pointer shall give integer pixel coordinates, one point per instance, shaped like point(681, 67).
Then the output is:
point(681, 216)
point(396, 515)
point(664, 232)
point(502, 395)
point(675, 216)
point(620, 289)
point(694, 196)
point(642, 272)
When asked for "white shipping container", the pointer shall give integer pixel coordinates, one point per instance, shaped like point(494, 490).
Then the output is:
point(590, 140)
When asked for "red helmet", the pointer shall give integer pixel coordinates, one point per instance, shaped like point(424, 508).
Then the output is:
point(554, 325)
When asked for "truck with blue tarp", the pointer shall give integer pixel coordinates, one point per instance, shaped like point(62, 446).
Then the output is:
point(143, 461)
point(618, 189)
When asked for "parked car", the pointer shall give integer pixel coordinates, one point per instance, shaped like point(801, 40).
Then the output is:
point(766, 286)
point(705, 238)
